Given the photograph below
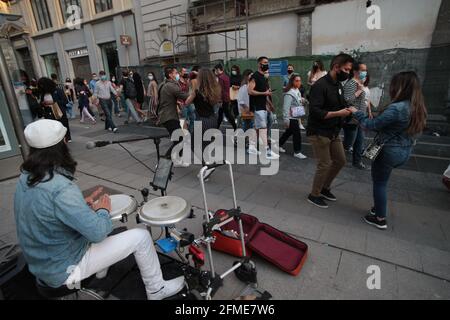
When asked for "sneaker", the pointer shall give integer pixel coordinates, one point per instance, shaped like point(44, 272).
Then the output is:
point(328, 195)
point(115, 130)
point(300, 155)
point(282, 150)
point(374, 221)
point(170, 288)
point(110, 129)
point(272, 155)
point(302, 127)
point(318, 201)
point(252, 150)
point(372, 212)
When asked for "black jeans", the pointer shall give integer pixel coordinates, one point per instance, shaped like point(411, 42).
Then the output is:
point(225, 109)
point(207, 123)
point(172, 126)
point(294, 131)
point(106, 105)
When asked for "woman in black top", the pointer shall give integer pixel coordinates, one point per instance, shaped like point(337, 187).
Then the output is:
point(235, 83)
point(140, 94)
point(48, 88)
point(206, 96)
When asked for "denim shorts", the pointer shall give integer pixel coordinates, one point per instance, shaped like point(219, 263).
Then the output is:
point(261, 119)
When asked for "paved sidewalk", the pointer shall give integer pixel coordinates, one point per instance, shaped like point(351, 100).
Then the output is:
point(413, 254)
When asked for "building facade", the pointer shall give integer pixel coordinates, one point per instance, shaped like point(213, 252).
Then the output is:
point(390, 35)
point(54, 40)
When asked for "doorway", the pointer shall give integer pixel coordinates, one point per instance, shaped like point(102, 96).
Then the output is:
point(82, 67)
point(110, 58)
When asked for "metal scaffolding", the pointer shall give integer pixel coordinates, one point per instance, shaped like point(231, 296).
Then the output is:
point(234, 27)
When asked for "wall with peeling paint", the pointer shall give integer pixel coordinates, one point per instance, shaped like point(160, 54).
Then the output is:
point(343, 26)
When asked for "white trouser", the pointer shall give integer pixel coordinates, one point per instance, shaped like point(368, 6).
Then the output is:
point(113, 249)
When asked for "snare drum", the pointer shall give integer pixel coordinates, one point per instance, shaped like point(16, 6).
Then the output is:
point(122, 206)
point(164, 211)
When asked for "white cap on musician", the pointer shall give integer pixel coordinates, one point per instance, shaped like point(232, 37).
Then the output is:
point(44, 133)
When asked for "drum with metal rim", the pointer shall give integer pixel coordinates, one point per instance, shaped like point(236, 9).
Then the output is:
point(122, 206)
point(164, 211)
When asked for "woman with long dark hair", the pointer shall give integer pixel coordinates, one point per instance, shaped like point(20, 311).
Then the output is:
point(317, 71)
point(140, 90)
point(50, 94)
point(205, 97)
point(63, 236)
point(397, 126)
point(83, 93)
point(235, 83)
point(292, 101)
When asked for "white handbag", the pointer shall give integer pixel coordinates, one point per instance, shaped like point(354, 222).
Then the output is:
point(298, 112)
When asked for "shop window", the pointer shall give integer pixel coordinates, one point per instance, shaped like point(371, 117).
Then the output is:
point(41, 14)
point(52, 64)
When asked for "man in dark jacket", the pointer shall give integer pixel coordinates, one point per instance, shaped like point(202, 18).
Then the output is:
point(169, 93)
point(327, 111)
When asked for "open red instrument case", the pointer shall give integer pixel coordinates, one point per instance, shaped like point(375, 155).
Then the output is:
point(275, 246)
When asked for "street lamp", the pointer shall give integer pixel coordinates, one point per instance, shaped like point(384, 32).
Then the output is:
point(10, 93)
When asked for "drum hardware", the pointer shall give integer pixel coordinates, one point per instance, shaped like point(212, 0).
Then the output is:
point(244, 269)
point(122, 206)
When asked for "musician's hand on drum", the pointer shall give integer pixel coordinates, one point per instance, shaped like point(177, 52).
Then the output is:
point(103, 203)
point(94, 195)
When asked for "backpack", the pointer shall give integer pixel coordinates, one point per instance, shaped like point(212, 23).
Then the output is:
point(130, 89)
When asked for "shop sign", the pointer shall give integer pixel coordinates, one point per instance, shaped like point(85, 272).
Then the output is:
point(125, 40)
point(78, 53)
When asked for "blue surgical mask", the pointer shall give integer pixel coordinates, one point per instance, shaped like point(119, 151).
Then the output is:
point(363, 75)
point(177, 77)
point(104, 78)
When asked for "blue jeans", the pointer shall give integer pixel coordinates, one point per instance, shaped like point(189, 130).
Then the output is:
point(189, 115)
point(131, 111)
point(116, 105)
point(247, 124)
point(106, 105)
point(388, 159)
point(354, 137)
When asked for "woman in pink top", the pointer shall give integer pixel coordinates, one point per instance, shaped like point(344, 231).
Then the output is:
point(317, 72)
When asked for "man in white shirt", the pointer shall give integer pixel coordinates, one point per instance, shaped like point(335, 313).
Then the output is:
point(102, 91)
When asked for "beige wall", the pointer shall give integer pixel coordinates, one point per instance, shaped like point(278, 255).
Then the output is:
point(405, 24)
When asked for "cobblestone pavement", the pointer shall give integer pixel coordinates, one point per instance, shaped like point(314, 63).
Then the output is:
point(413, 254)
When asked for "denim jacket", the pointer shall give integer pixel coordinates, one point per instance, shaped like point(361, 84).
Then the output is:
point(55, 226)
point(391, 125)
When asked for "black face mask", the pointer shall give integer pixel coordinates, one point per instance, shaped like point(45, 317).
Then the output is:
point(290, 71)
point(264, 67)
point(343, 76)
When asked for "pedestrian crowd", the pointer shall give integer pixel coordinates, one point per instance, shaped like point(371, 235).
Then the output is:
point(331, 102)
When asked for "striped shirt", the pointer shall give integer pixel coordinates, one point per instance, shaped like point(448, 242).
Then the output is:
point(350, 89)
point(103, 90)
